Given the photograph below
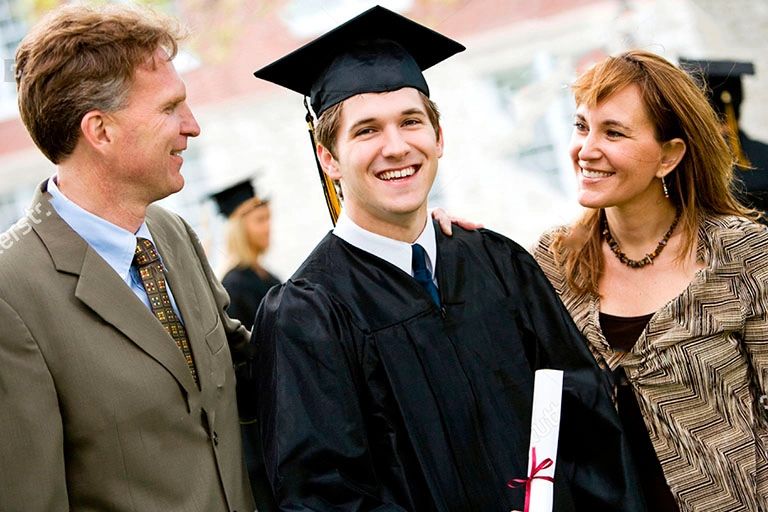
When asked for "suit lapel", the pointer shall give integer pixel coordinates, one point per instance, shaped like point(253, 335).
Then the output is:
point(101, 289)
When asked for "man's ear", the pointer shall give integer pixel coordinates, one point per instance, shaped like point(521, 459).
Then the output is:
point(328, 162)
point(672, 152)
point(96, 129)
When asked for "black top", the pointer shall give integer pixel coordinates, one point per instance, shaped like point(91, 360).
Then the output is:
point(246, 289)
point(373, 397)
point(621, 333)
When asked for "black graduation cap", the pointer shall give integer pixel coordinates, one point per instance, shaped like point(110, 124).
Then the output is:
point(376, 51)
point(723, 80)
point(230, 198)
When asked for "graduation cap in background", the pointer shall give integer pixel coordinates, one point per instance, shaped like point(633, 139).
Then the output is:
point(231, 197)
point(377, 51)
point(722, 80)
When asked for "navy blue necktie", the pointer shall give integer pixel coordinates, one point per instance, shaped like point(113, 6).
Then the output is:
point(421, 273)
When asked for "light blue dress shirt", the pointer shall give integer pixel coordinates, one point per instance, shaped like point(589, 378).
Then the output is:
point(114, 244)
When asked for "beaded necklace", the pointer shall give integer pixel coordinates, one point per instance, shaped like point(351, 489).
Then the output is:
point(614, 245)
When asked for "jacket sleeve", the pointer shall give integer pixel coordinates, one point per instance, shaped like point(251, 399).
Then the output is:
point(237, 335)
point(754, 294)
point(240, 302)
point(311, 423)
point(32, 471)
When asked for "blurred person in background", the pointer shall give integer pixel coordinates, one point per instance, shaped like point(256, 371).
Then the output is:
point(248, 235)
point(247, 281)
point(723, 83)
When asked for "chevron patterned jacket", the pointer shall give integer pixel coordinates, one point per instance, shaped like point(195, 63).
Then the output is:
point(699, 371)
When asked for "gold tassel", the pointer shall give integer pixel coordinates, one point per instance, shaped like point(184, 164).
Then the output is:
point(331, 196)
point(329, 187)
point(733, 131)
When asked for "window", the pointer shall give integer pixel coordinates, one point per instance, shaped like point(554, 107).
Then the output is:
point(12, 30)
point(12, 205)
point(534, 97)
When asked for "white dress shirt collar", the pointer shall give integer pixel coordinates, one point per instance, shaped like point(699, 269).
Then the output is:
point(394, 251)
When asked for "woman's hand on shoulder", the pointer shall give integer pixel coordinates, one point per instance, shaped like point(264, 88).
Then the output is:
point(445, 221)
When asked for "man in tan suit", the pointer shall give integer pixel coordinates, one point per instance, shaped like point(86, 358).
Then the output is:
point(116, 378)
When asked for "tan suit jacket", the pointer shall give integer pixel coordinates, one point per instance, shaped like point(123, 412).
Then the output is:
point(99, 410)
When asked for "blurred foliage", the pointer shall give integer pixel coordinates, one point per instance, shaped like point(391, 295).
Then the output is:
point(34, 9)
point(216, 25)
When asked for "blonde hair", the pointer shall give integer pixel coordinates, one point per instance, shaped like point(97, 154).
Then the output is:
point(241, 252)
point(80, 58)
point(701, 184)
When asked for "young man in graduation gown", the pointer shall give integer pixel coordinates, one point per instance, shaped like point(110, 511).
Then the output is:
point(396, 365)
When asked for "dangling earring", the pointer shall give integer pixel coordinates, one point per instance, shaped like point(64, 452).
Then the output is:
point(664, 186)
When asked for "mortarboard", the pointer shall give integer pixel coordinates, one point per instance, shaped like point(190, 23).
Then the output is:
point(722, 80)
point(231, 197)
point(377, 51)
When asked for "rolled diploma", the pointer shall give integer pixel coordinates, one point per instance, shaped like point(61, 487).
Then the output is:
point(545, 430)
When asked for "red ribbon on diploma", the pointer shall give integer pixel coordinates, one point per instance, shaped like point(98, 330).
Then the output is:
point(535, 469)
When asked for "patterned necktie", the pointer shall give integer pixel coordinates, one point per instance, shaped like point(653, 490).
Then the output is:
point(152, 276)
point(421, 273)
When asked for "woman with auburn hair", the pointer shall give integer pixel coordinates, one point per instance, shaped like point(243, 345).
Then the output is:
point(666, 274)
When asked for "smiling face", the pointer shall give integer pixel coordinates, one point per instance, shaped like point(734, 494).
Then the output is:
point(151, 132)
point(386, 159)
point(616, 155)
point(257, 226)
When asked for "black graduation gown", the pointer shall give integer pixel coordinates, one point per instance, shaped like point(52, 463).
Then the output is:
point(373, 398)
point(753, 186)
point(246, 289)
